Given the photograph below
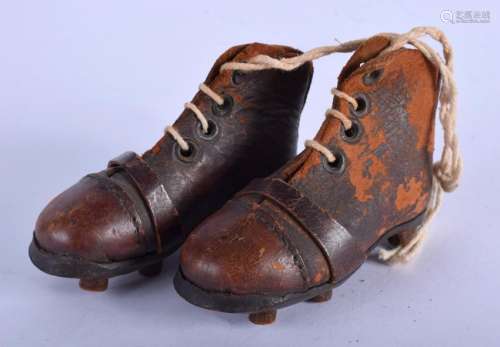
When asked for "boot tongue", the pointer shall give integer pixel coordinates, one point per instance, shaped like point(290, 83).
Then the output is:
point(367, 51)
point(245, 52)
point(223, 58)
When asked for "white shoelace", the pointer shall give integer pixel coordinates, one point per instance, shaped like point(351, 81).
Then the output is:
point(346, 122)
point(199, 115)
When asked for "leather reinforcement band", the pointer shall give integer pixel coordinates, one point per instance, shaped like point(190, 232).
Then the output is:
point(158, 204)
point(335, 242)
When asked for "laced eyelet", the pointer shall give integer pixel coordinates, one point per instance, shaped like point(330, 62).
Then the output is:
point(186, 156)
point(211, 133)
point(363, 105)
point(372, 76)
point(336, 167)
point(237, 77)
point(224, 109)
point(353, 134)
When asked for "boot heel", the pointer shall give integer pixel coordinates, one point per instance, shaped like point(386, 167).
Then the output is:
point(152, 270)
point(403, 238)
point(402, 241)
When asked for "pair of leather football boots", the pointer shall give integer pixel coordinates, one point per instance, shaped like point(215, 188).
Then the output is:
point(261, 228)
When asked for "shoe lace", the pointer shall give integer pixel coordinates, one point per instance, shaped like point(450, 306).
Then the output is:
point(346, 123)
point(170, 129)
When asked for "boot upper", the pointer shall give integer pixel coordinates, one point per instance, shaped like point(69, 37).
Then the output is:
point(271, 240)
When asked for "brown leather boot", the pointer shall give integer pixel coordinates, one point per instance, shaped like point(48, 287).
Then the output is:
point(366, 178)
point(141, 208)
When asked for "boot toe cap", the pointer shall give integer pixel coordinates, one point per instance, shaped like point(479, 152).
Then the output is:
point(87, 221)
point(236, 251)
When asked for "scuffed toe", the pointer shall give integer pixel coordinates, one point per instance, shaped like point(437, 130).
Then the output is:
point(239, 250)
point(89, 221)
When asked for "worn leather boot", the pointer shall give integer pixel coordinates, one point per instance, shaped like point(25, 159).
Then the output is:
point(365, 179)
point(141, 208)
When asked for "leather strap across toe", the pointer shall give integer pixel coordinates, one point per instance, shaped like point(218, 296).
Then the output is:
point(335, 242)
point(366, 181)
point(142, 207)
point(160, 208)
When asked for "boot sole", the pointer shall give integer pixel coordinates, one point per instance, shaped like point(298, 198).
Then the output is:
point(63, 265)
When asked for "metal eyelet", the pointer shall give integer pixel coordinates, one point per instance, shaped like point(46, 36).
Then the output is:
point(353, 134)
point(363, 105)
point(212, 131)
point(186, 156)
point(338, 166)
point(224, 109)
point(372, 76)
point(237, 77)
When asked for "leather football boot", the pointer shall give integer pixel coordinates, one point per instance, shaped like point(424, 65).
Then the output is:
point(141, 208)
point(366, 180)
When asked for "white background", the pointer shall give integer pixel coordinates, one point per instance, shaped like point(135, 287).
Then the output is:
point(83, 81)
